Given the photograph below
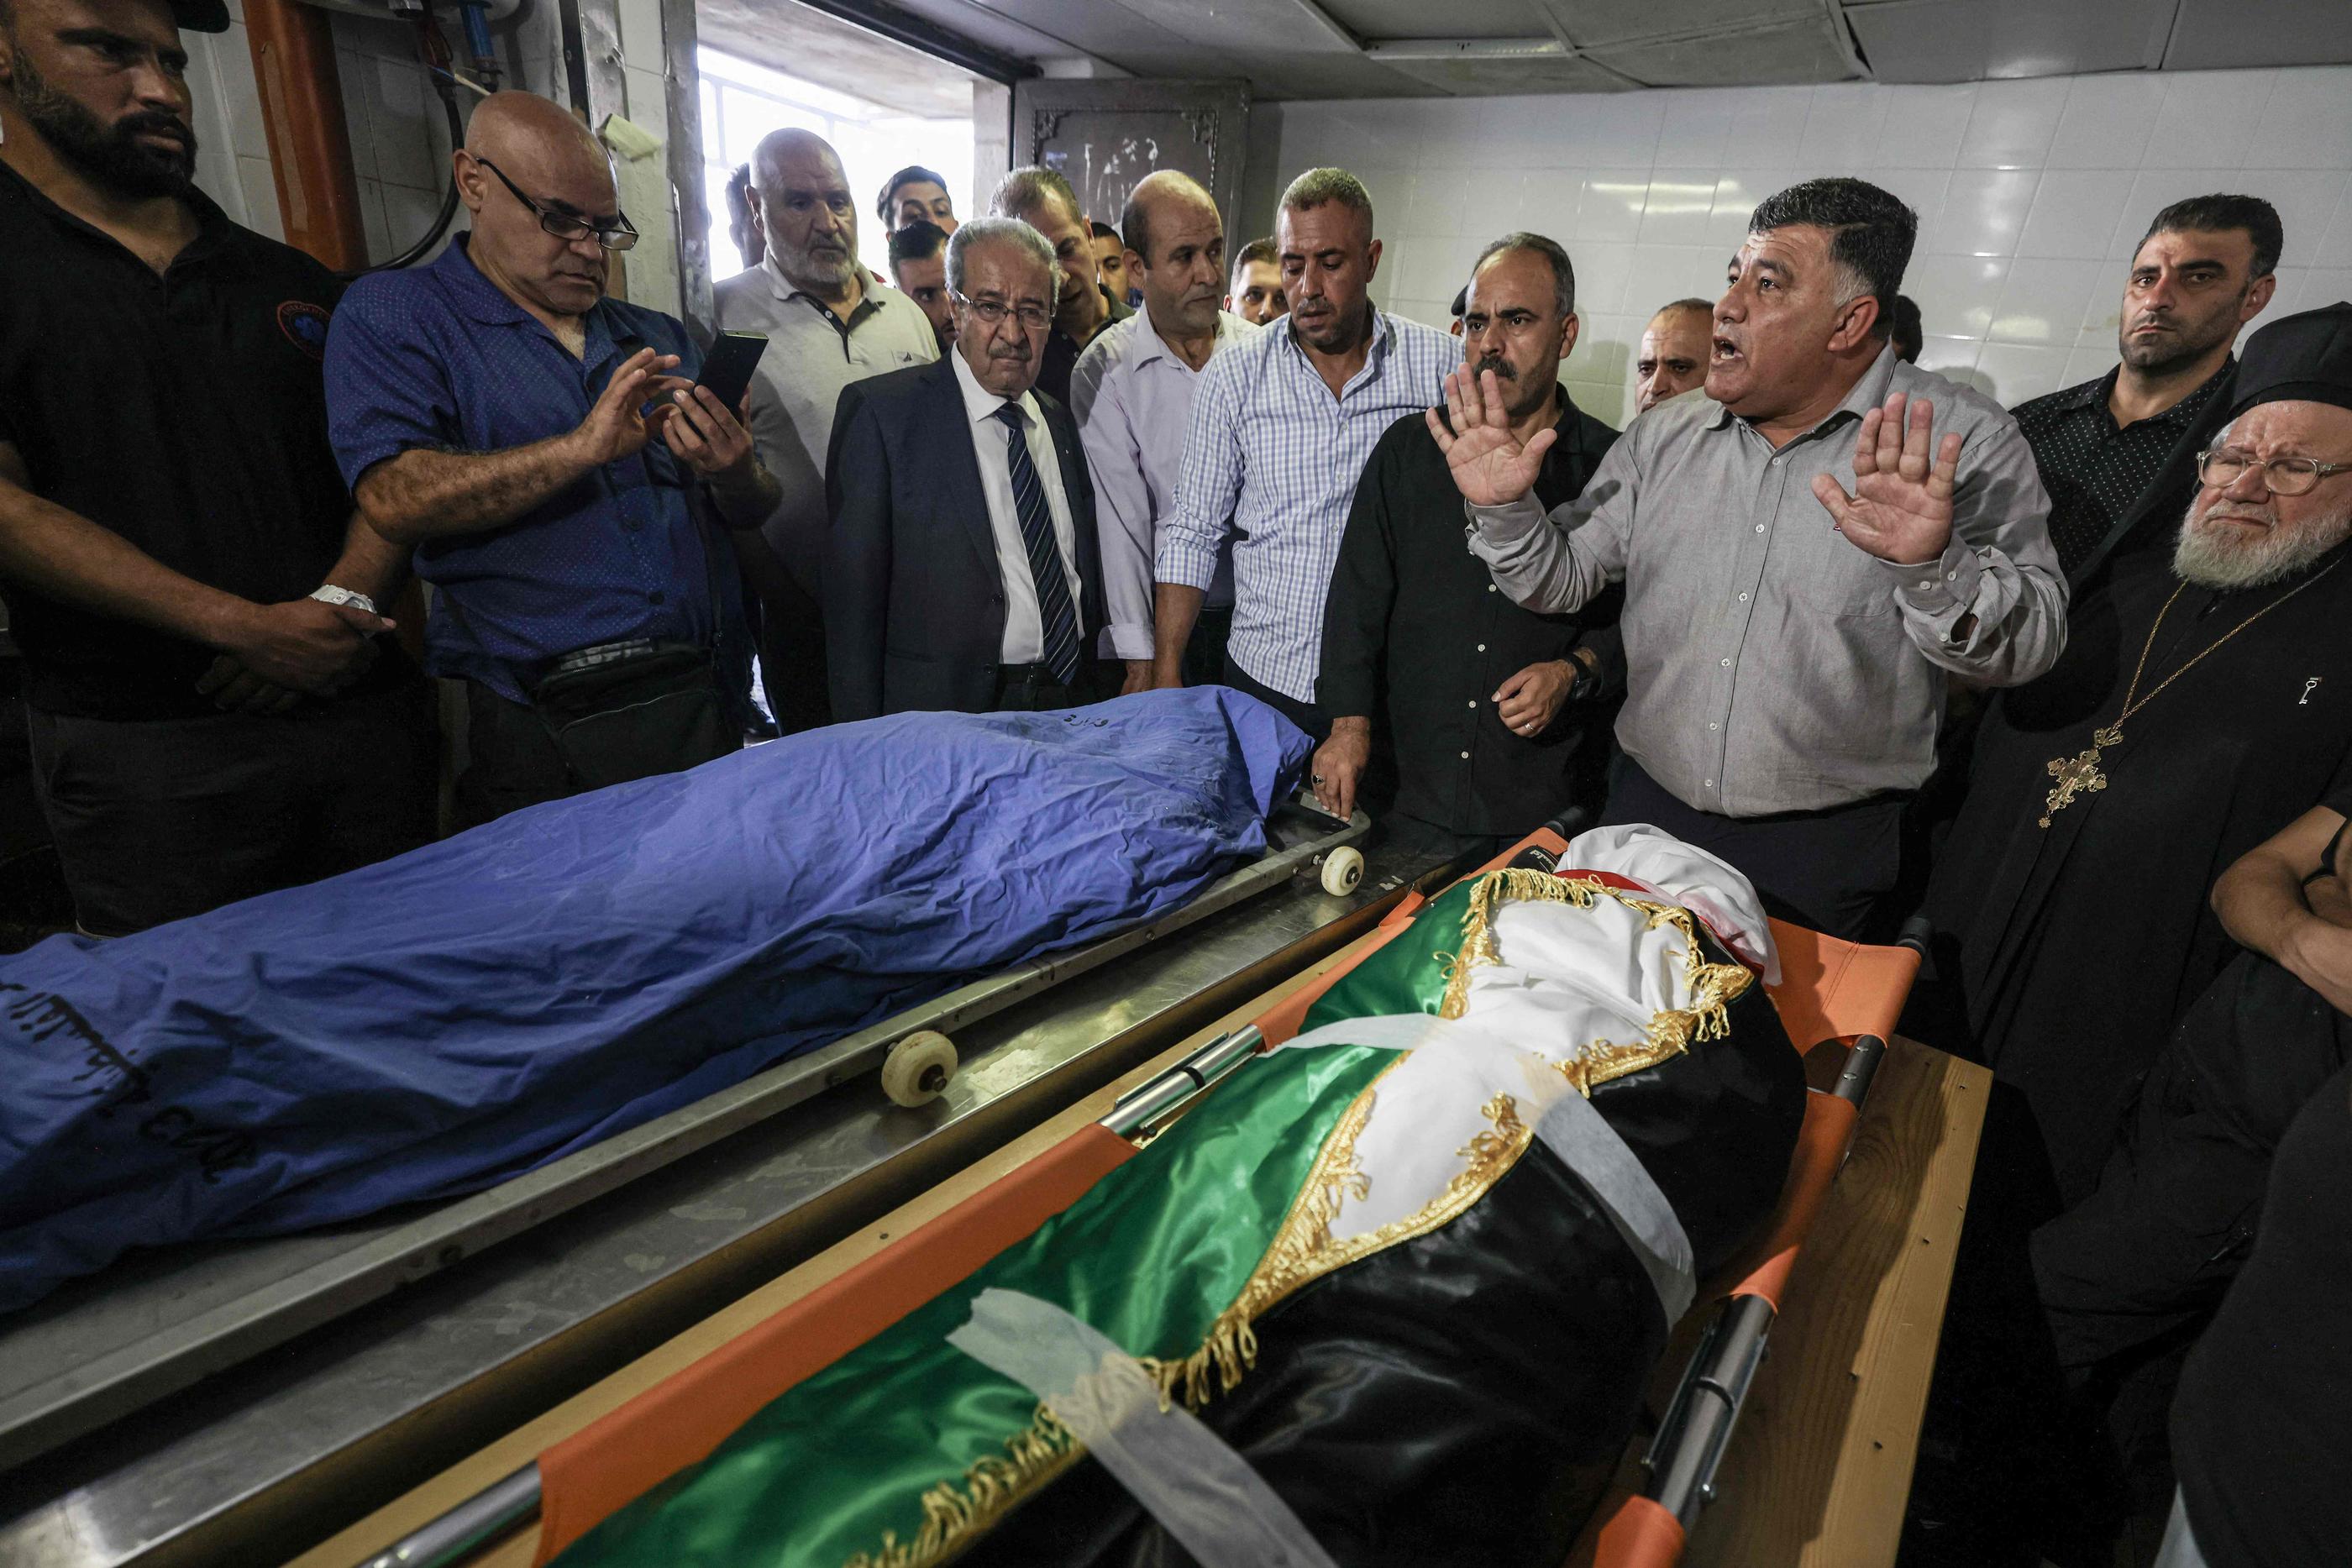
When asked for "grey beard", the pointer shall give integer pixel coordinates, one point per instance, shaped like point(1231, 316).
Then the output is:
point(804, 269)
point(2211, 559)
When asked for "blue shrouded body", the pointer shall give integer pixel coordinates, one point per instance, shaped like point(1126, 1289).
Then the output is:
point(464, 1013)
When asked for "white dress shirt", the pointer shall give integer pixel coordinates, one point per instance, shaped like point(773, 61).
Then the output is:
point(1025, 626)
point(810, 357)
point(1132, 396)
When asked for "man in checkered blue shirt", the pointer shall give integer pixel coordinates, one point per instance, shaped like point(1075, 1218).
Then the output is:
point(1282, 427)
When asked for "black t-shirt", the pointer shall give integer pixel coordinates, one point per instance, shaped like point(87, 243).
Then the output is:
point(2261, 1422)
point(186, 413)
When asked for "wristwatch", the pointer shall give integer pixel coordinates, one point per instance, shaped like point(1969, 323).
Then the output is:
point(328, 594)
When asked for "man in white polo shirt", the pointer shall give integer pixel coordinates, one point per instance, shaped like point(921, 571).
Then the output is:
point(829, 323)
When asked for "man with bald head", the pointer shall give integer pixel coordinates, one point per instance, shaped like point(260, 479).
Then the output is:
point(963, 571)
point(829, 322)
point(212, 712)
point(543, 451)
point(1132, 393)
point(1675, 348)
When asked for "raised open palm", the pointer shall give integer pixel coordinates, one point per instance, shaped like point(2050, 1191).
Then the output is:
point(1489, 463)
point(1901, 508)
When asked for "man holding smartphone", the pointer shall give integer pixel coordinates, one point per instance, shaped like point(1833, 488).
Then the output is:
point(544, 451)
point(211, 709)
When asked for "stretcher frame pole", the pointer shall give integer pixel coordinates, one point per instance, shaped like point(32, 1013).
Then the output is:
point(509, 1504)
point(1689, 1447)
point(496, 1510)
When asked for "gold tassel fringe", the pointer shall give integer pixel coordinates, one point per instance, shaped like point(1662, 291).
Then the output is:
point(955, 1514)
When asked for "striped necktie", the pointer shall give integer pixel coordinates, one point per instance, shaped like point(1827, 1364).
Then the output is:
point(1054, 612)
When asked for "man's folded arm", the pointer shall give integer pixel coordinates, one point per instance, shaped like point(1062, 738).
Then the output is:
point(1556, 563)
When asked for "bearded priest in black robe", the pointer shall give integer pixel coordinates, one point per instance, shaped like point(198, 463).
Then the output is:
point(2204, 701)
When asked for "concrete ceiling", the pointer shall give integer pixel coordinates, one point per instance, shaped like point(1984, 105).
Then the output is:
point(1376, 48)
point(807, 43)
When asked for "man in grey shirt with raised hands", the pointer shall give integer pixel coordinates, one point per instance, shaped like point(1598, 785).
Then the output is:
point(1794, 594)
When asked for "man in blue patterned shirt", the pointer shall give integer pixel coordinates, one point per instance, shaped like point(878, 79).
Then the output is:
point(1282, 427)
point(527, 437)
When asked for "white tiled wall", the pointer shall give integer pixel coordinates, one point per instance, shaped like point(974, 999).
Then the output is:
point(2031, 196)
point(399, 139)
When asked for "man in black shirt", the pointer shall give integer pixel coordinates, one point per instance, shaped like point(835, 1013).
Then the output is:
point(2119, 450)
point(1044, 200)
point(1460, 719)
point(212, 712)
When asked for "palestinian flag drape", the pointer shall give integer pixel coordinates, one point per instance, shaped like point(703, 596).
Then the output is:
point(1390, 1266)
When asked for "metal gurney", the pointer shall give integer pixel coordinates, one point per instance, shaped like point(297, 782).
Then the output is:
point(601, 1467)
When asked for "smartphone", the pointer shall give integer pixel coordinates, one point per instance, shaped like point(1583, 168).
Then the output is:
point(726, 368)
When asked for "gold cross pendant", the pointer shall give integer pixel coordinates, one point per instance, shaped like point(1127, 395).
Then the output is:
point(2080, 775)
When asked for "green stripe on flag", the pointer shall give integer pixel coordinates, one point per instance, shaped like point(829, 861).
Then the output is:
point(1408, 974)
point(1151, 1256)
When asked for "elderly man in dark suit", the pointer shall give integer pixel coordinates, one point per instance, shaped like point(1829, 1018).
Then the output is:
point(963, 571)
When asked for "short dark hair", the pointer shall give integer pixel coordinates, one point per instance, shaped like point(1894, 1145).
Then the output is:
point(1563, 271)
point(1905, 331)
point(1104, 231)
point(2208, 214)
point(1317, 186)
point(918, 241)
point(1256, 250)
point(1027, 189)
point(1461, 305)
point(912, 175)
point(1871, 232)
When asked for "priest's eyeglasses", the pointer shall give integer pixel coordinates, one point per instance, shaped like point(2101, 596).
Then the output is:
point(2281, 475)
point(614, 234)
point(1034, 316)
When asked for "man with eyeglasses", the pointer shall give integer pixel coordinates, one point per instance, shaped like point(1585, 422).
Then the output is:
point(963, 571)
point(2114, 451)
point(2202, 703)
point(213, 710)
point(1459, 719)
point(829, 322)
point(564, 485)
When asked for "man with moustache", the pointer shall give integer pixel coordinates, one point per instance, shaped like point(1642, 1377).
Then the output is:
point(1458, 718)
point(829, 322)
point(1281, 429)
point(963, 571)
point(490, 412)
point(2203, 703)
point(1256, 292)
point(1132, 394)
point(1044, 200)
point(2119, 450)
point(213, 712)
point(1674, 352)
point(1786, 670)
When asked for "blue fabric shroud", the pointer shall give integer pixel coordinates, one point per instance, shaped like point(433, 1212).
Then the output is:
point(439, 1022)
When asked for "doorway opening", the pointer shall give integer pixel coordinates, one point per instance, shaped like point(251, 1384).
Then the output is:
point(771, 65)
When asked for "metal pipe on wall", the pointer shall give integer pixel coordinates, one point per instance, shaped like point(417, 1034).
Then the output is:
point(310, 144)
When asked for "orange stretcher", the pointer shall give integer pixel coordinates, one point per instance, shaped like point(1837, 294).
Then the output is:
point(1830, 991)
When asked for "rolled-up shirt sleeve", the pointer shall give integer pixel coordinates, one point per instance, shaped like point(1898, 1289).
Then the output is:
point(387, 392)
point(1122, 505)
point(1209, 484)
point(1556, 563)
point(1992, 608)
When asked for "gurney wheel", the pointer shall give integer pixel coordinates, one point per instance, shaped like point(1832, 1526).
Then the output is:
point(918, 1066)
point(1342, 869)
